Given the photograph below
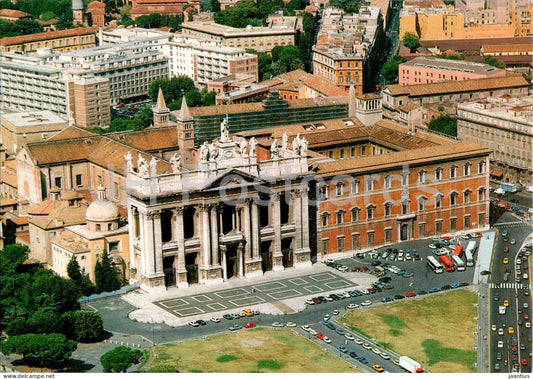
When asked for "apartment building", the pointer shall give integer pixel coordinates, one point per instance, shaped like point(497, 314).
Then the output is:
point(502, 124)
point(431, 70)
point(163, 7)
point(251, 37)
point(347, 46)
point(61, 40)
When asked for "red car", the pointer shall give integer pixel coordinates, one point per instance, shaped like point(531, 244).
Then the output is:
point(120, 105)
point(250, 324)
point(410, 294)
point(526, 316)
point(371, 290)
point(320, 336)
point(524, 362)
point(446, 238)
point(479, 234)
point(316, 300)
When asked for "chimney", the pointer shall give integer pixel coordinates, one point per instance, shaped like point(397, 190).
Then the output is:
point(351, 101)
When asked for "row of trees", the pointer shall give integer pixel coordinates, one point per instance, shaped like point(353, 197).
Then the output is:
point(43, 10)
point(154, 20)
point(174, 89)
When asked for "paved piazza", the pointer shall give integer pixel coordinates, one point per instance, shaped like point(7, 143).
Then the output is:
point(243, 297)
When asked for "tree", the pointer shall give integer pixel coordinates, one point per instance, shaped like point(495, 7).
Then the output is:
point(120, 359)
point(46, 321)
point(83, 282)
point(125, 10)
point(47, 16)
point(411, 41)
point(52, 292)
point(83, 326)
point(48, 350)
point(105, 275)
point(444, 124)
point(389, 71)
point(12, 257)
point(493, 61)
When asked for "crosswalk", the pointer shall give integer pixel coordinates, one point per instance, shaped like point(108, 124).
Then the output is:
point(507, 285)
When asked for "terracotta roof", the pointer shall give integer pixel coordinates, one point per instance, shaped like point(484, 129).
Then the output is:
point(324, 86)
point(96, 7)
point(49, 22)
point(50, 152)
point(146, 10)
point(511, 47)
point(408, 107)
point(46, 36)
point(71, 241)
point(71, 132)
point(44, 208)
point(472, 44)
point(446, 152)
point(149, 139)
point(452, 86)
point(13, 13)
point(20, 220)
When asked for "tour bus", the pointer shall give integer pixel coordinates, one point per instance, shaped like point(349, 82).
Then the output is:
point(447, 263)
point(458, 250)
point(459, 264)
point(434, 264)
point(469, 253)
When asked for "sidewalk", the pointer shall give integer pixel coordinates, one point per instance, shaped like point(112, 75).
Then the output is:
point(484, 257)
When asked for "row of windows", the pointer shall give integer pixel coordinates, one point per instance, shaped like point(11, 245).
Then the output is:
point(422, 203)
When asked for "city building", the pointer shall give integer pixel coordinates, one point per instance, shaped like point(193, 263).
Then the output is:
point(259, 38)
point(60, 40)
point(12, 15)
point(421, 70)
point(102, 231)
point(96, 14)
point(502, 124)
point(348, 46)
point(163, 7)
point(27, 127)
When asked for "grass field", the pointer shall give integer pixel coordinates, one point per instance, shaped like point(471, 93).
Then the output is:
point(437, 331)
point(259, 350)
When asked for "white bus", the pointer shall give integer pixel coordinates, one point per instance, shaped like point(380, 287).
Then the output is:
point(434, 264)
point(469, 253)
point(458, 262)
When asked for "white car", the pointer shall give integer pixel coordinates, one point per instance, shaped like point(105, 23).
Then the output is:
point(527, 324)
point(277, 324)
point(326, 339)
point(500, 344)
point(500, 332)
point(366, 302)
point(367, 346)
point(336, 312)
point(493, 327)
point(364, 292)
point(432, 246)
point(290, 324)
point(305, 327)
point(193, 324)
point(384, 356)
point(215, 319)
point(312, 332)
point(352, 306)
point(349, 337)
point(326, 317)
point(346, 295)
point(310, 302)
point(358, 341)
point(400, 256)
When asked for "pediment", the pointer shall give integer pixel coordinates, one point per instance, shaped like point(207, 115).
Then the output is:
point(233, 178)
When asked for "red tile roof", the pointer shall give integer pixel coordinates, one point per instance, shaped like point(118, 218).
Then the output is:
point(13, 13)
point(47, 35)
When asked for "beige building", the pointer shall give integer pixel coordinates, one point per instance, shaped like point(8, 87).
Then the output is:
point(61, 40)
point(251, 37)
point(103, 231)
point(502, 124)
point(28, 127)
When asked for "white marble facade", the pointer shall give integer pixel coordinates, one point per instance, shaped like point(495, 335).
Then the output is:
point(229, 215)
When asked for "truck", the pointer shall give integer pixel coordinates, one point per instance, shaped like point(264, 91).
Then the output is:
point(502, 309)
point(509, 187)
point(409, 364)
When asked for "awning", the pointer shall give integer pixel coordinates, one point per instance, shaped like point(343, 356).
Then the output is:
point(496, 173)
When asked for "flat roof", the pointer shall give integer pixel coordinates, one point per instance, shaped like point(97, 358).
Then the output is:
point(33, 118)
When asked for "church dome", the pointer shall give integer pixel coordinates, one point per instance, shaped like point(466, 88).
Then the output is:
point(102, 210)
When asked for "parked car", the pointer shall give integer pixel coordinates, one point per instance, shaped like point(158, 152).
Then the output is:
point(235, 327)
point(250, 324)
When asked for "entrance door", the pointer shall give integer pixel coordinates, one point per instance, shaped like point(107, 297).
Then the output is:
point(286, 250)
point(403, 232)
point(266, 256)
point(170, 271)
point(192, 267)
point(231, 262)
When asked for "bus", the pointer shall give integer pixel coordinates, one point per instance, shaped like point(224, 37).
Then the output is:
point(458, 250)
point(447, 263)
point(469, 253)
point(458, 262)
point(434, 264)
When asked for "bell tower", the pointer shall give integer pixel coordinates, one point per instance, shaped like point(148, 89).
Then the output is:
point(185, 125)
point(161, 112)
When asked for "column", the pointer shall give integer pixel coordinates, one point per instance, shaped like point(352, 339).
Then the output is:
point(256, 240)
point(223, 250)
point(205, 236)
point(247, 231)
point(142, 245)
point(240, 260)
point(131, 237)
point(305, 218)
point(179, 236)
point(214, 236)
point(297, 217)
point(148, 244)
point(277, 264)
point(158, 243)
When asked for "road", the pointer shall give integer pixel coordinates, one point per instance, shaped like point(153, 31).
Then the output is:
point(510, 289)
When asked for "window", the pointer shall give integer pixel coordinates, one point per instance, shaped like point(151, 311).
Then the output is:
point(355, 214)
point(405, 207)
point(100, 179)
point(466, 196)
point(453, 198)
point(421, 230)
point(339, 189)
point(438, 227)
point(340, 216)
point(466, 169)
point(453, 224)
point(438, 200)
point(481, 167)
point(388, 209)
point(438, 174)
point(421, 177)
point(370, 212)
point(370, 238)
point(467, 222)
point(355, 241)
point(114, 245)
point(481, 194)
point(325, 219)
point(421, 203)
point(481, 219)
point(57, 182)
point(98, 227)
point(340, 244)
point(388, 181)
point(453, 171)
point(354, 187)
point(405, 179)
point(323, 192)
point(325, 246)
point(78, 180)
point(388, 236)
point(369, 184)
point(115, 190)
point(352, 151)
point(342, 154)
point(363, 150)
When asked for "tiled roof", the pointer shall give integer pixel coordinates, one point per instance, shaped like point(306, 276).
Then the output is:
point(510, 47)
point(472, 44)
point(13, 13)
point(72, 242)
point(448, 151)
point(46, 36)
point(62, 216)
point(71, 132)
point(452, 86)
point(149, 139)
point(44, 153)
